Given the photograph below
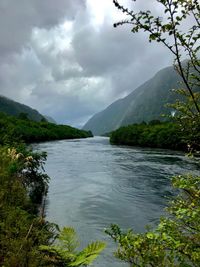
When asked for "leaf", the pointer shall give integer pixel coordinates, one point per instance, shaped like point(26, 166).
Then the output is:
point(89, 254)
point(69, 239)
point(150, 235)
point(65, 250)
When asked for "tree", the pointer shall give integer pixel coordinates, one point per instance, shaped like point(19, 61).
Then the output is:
point(176, 240)
point(23, 116)
point(168, 30)
point(43, 120)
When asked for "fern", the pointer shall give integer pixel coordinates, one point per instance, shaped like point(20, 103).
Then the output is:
point(65, 253)
point(69, 239)
point(89, 254)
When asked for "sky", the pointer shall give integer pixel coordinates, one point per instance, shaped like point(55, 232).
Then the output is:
point(65, 58)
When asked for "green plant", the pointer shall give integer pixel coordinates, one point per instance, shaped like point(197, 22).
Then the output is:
point(22, 226)
point(65, 252)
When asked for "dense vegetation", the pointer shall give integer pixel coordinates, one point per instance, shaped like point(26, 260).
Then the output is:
point(154, 134)
point(12, 128)
point(22, 228)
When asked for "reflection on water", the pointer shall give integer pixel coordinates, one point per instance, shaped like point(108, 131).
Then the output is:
point(94, 184)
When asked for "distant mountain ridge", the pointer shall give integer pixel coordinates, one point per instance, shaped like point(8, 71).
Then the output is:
point(145, 103)
point(14, 108)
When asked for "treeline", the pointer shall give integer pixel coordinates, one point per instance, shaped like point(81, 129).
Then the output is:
point(21, 128)
point(154, 134)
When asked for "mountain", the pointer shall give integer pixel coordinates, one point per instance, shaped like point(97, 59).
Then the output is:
point(13, 108)
point(145, 103)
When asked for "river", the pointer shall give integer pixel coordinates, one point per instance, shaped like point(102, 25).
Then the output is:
point(94, 184)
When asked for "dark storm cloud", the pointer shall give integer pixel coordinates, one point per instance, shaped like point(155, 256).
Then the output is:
point(18, 18)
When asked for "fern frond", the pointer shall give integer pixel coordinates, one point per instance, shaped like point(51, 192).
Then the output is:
point(65, 251)
point(89, 254)
point(69, 239)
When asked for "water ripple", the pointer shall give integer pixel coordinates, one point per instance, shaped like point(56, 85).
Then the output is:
point(95, 184)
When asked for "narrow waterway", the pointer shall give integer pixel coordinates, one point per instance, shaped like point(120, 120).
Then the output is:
point(94, 184)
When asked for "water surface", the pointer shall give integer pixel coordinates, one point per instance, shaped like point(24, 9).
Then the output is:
point(94, 184)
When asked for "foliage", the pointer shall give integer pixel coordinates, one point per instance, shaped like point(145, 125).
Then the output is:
point(65, 252)
point(23, 116)
point(29, 167)
point(155, 134)
point(22, 228)
point(189, 120)
point(15, 129)
point(175, 241)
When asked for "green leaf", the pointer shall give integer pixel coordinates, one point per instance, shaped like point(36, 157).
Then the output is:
point(89, 254)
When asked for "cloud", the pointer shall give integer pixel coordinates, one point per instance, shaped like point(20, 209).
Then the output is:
point(65, 59)
point(18, 19)
point(125, 59)
point(70, 102)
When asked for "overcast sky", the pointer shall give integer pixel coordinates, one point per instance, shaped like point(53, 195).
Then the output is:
point(65, 59)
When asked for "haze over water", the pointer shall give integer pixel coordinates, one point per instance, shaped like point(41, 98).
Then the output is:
point(94, 184)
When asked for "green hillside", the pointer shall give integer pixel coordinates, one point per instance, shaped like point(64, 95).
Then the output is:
point(14, 108)
point(145, 103)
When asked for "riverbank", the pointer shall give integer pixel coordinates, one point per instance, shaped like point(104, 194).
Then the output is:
point(155, 134)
